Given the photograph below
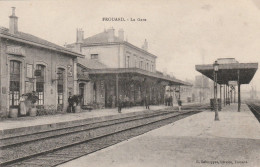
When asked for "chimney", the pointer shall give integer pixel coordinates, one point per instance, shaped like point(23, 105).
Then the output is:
point(13, 22)
point(80, 36)
point(111, 34)
point(165, 71)
point(145, 45)
point(121, 34)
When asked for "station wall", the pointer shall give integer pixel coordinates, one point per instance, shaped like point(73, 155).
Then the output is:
point(29, 58)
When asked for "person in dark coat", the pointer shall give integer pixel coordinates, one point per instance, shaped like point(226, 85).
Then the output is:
point(170, 101)
point(147, 103)
point(120, 104)
point(70, 101)
point(179, 104)
point(110, 101)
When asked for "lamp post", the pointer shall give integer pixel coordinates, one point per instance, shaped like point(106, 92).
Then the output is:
point(216, 68)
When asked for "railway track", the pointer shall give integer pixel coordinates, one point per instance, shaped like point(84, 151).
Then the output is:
point(255, 108)
point(54, 147)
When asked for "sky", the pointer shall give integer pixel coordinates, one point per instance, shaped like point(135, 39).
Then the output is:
point(181, 33)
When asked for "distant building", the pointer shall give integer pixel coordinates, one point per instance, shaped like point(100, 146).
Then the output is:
point(114, 51)
point(124, 71)
point(201, 89)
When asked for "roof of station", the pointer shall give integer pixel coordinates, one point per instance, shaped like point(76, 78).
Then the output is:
point(103, 39)
point(36, 41)
point(172, 81)
point(91, 63)
point(229, 71)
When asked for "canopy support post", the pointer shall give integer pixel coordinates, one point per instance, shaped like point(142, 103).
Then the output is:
point(179, 92)
point(224, 89)
point(220, 90)
point(234, 94)
point(231, 91)
point(117, 91)
point(238, 83)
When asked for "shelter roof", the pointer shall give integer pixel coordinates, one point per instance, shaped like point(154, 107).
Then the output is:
point(172, 81)
point(229, 72)
point(91, 63)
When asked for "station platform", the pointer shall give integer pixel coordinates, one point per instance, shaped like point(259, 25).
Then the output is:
point(194, 141)
point(26, 125)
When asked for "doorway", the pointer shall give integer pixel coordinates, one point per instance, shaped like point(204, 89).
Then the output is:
point(82, 93)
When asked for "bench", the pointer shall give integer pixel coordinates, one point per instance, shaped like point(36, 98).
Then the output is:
point(87, 107)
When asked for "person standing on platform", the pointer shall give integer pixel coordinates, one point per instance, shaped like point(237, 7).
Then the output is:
point(171, 104)
point(70, 101)
point(119, 104)
point(22, 106)
point(179, 105)
point(147, 103)
point(110, 101)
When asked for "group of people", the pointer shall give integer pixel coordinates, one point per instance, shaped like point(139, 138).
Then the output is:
point(123, 102)
point(168, 101)
point(71, 104)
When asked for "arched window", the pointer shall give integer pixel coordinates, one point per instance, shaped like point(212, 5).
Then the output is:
point(60, 86)
point(40, 84)
point(15, 81)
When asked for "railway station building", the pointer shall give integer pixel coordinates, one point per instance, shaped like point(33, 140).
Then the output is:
point(114, 69)
point(29, 63)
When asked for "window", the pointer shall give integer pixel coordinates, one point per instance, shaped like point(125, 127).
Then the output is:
point(60, 86)
point(15, 68)
point(40, 84)
point(127, 61)
point(94, 92)
point(147, 66)
point(152, 68)
point(94, 56)
point(141, 64)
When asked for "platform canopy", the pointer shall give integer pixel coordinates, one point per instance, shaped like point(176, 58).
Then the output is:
point(230, 72)
point(139, 72)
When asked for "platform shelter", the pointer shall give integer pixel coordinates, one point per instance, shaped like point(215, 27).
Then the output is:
point(132, 83)
point(230, 71)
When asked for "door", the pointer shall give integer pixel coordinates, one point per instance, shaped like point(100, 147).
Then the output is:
point(60, 89)
point(15, 83)
point(82, 93)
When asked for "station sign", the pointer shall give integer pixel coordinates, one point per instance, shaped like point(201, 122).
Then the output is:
point(29, 70)
point(233, 83)
point(15, 50)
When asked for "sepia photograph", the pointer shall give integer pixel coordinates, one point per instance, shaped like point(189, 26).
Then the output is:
point(129, 83)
